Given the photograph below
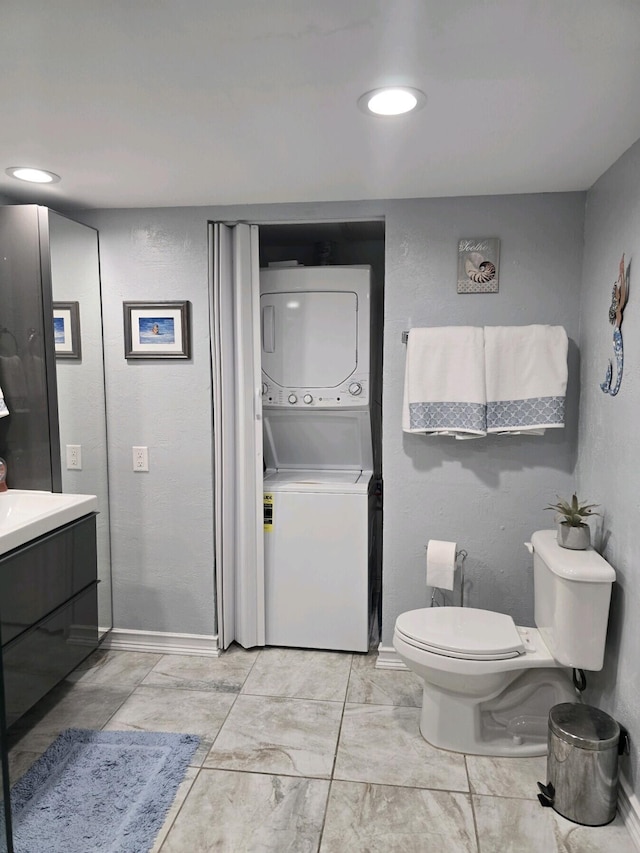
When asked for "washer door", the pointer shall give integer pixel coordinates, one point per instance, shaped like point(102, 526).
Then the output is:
point(461, 632)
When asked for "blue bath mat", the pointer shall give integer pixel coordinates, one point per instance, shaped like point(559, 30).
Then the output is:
point(99, 792)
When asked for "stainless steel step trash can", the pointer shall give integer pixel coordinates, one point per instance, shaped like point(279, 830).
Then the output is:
point(582, 763)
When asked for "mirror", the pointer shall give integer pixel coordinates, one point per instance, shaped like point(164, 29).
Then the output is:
point(75, 281)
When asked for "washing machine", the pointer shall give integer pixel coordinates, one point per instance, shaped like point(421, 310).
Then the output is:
point(317, 566)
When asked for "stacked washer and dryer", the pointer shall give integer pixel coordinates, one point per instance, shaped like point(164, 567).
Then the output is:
point(319, 488)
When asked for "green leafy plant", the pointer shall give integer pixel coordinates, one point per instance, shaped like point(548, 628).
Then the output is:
point(572, 514)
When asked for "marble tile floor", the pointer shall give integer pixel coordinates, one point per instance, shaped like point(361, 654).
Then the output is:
point(308, 752)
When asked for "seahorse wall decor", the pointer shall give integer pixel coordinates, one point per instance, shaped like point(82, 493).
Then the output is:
point(619, 298)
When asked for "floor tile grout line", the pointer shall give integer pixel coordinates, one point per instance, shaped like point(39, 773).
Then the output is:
point(466, 770)
point(129, 695)
point(473, 810)
point(112, 654)
point(257, 772)
point(335, 757)
point(291, 698)
point(175, 817)
point(344, 705)
point(239, 693)
point(324, 814)
point(161, 657)
point(233, 704)
point(221, 726)
point(251, 668)
point(109, 655)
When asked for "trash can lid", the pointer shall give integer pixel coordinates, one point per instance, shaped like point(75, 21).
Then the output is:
point(584, 726)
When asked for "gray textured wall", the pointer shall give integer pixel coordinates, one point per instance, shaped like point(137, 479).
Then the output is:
point(161, 521)
point(608, 465)
point(488, 495)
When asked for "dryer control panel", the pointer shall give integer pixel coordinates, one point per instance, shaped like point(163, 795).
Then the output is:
point(353, 393)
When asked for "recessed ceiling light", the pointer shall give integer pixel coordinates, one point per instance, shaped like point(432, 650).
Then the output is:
point(392, 101)
point(35, 176)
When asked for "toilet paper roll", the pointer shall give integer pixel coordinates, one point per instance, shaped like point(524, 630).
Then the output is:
point(441, 563)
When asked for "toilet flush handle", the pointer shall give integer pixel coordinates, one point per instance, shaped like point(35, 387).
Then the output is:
point(529, 547)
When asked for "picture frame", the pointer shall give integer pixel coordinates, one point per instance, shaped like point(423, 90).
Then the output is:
point(478, 264)
point(66, 330)
point(157, 330)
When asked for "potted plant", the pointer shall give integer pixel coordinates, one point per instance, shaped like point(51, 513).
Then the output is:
point(572, 531)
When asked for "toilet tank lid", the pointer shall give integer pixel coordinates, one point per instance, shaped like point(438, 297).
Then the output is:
point(585, 566)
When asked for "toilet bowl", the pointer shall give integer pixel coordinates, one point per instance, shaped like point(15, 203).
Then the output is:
point(488, 684)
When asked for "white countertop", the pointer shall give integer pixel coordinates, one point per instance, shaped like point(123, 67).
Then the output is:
point(25, 515)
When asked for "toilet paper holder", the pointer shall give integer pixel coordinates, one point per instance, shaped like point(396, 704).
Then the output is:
point(461, 556)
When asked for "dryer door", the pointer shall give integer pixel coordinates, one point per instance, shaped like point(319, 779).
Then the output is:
point(309, 339)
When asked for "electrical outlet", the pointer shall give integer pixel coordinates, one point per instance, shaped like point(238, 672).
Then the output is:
point(140, 458)
point(74, 457)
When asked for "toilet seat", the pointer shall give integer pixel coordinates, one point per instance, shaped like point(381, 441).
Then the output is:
point(461, 632)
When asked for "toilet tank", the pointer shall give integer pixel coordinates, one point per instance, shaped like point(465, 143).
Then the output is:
point(572, 596)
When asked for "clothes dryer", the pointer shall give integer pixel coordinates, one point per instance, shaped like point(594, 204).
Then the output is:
point(316, 337)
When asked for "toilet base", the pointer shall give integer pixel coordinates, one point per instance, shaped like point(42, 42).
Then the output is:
point(513, 723)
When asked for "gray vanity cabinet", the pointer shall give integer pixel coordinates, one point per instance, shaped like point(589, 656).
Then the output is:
point(48, 610)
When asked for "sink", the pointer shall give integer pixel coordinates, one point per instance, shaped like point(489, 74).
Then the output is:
point(26, 514)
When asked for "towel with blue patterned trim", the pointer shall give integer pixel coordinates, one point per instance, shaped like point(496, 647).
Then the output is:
point(444, 386)
point(526, 371)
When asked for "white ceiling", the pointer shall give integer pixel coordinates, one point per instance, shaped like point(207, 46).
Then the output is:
point(139, 103)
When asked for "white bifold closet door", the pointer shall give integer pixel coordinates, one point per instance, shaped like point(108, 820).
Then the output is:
point(237, 434)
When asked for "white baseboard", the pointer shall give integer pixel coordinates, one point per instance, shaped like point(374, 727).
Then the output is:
point(388, 658)
point(629, 809)
point(161, 642)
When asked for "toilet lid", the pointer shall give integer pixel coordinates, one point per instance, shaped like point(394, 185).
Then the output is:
point(461, 632)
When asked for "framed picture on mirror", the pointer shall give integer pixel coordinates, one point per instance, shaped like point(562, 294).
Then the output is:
point(66, 329)
point(156, 330)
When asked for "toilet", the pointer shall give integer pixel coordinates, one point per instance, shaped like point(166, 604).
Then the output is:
point(488, 683)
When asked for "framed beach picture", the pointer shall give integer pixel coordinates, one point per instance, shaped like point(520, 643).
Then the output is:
point(66, 329)
point(156, 330)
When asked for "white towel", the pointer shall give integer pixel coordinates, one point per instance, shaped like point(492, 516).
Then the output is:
point(3, 406)
point(526, 371)
point(444, 385)
point(13, 379)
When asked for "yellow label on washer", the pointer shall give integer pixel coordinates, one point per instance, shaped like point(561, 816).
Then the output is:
point(268, 512)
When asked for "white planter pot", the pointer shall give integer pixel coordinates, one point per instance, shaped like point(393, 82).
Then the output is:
point(575, 538)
